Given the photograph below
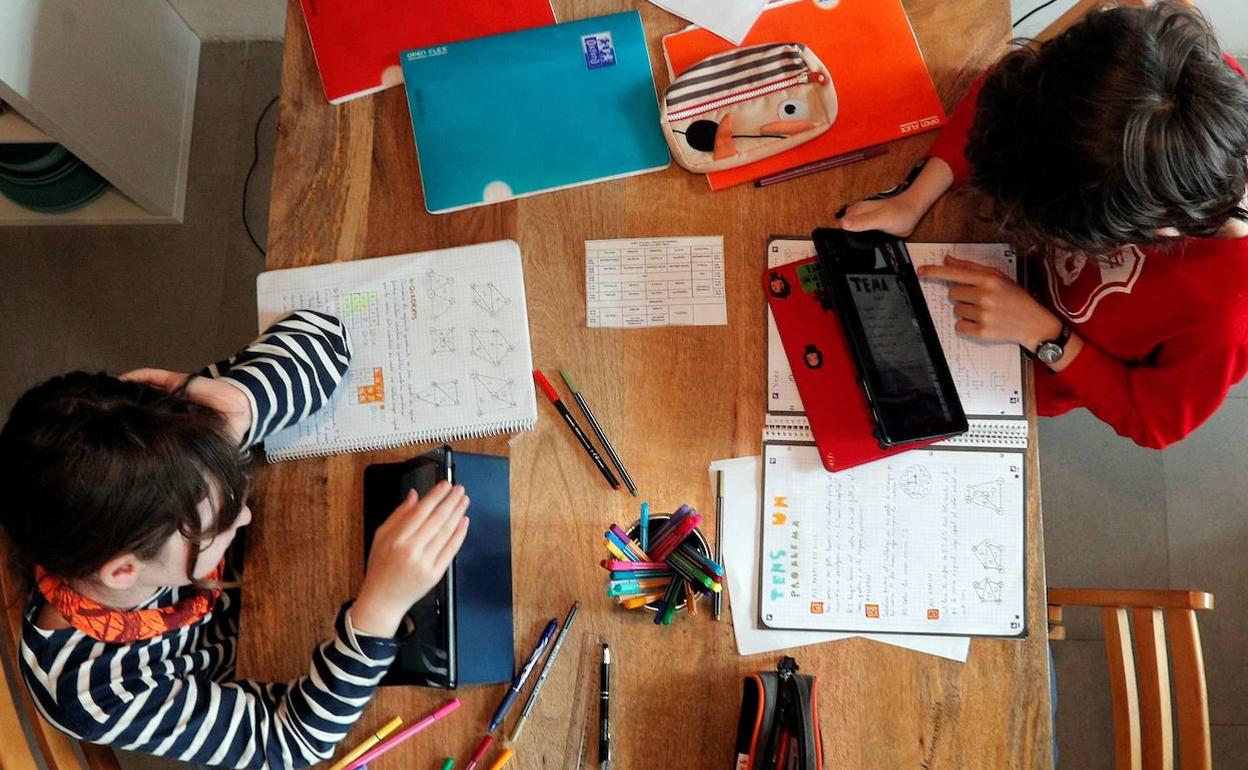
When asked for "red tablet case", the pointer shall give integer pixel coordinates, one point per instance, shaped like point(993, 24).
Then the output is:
point(357, 42)
point(836, 406)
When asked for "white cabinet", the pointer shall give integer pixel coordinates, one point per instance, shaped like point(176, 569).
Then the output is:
point(113, 81)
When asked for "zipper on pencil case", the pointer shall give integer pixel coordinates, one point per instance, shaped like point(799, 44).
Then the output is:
point(745, 96)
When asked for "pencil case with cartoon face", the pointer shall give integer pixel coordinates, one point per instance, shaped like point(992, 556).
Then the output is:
point(747, 104)
point(779, 726)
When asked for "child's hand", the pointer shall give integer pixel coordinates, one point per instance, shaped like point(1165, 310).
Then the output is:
point(411, 551)
point(991, 306)
point(216, 394)
point(897, 215)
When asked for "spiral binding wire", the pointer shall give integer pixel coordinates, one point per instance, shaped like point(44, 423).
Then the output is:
point(402, 439)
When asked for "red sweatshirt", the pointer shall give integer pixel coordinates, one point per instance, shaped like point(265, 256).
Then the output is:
point(1165, 331)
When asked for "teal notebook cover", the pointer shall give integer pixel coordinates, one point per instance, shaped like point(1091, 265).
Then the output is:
point(526, 112)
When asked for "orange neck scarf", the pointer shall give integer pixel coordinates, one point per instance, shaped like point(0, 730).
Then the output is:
point(115, 626)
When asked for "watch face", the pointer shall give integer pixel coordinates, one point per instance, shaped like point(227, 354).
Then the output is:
point(1049, 352)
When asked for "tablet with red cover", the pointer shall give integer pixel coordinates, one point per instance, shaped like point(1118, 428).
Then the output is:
point(357, 42)
point(823, 370)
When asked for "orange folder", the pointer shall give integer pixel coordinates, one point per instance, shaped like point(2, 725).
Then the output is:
point(882, 84)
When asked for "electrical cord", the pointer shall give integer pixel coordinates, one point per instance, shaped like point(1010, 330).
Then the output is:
point(255, 159)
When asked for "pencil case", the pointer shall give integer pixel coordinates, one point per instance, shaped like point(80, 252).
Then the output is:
point(747, 104)
point(779, 726)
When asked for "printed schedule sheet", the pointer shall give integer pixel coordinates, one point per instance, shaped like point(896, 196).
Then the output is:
point(638, 283)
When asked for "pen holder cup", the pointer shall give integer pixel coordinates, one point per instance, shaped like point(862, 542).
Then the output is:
point(694, 538)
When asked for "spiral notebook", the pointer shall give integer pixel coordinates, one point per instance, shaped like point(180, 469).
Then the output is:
point(440, 344)
point(988, 376)
point(931, 540)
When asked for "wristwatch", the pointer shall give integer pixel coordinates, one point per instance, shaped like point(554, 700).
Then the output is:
point(1051, 351)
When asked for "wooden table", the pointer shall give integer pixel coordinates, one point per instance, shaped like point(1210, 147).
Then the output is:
point(346, 186)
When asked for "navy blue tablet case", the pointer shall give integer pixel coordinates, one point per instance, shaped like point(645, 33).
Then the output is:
point(483, 573)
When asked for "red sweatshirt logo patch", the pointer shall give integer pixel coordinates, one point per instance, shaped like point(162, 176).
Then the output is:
point(1078, 283)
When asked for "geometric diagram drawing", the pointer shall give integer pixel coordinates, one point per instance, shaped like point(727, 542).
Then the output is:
point(445, 393)
point(916, 481)
point(440, 290)
point(442, 340)
point(490, 345)
point(370, 386)
point(493, 393)
point(989, 555)
point(989, 590)
point(487, 297)
point(359, 310)
point(987, 495)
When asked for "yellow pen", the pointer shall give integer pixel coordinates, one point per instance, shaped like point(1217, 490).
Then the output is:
point(368, 743)
point(503, 759)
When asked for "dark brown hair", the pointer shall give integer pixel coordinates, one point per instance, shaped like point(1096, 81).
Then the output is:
point(92, 467)
point(1127, 123)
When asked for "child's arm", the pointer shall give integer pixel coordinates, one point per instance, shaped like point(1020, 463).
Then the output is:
point(901, 213)
point(160, 697)
point(289, 372)
point(1157, 403)
point(122, 700)
point(946, 167)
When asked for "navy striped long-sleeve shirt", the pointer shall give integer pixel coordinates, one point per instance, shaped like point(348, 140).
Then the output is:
point(176, 695)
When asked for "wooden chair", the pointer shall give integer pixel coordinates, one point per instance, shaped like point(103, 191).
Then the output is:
point(1140, 683)
point(51, 749)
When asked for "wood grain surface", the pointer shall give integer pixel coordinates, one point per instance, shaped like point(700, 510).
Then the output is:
point(346, 186)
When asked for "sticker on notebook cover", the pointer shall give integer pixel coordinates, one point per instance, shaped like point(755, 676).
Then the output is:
point(599, 50)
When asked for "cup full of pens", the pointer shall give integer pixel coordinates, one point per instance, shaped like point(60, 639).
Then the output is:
point(661, 563)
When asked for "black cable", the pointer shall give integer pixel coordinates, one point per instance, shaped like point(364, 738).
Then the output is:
point(1033, 12)
point(255, 159)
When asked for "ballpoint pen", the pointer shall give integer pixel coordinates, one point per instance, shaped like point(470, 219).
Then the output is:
point(541, 678)
point(718, 599)
point(604, 710)
point(517, 683)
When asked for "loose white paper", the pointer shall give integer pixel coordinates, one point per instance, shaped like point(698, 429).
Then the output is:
point(742, 525)
point(639, 283)
point(730, 19)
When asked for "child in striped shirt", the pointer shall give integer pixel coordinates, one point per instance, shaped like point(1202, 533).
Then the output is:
point(122, 496)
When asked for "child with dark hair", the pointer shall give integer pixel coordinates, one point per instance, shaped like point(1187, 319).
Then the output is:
point(121, 496)
point(1115, 154)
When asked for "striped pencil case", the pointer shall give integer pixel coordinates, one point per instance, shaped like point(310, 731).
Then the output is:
point(747, 104)
point(779, 726)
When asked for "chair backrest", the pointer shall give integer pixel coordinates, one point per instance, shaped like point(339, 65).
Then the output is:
point(1140, 679)
point(56, 750)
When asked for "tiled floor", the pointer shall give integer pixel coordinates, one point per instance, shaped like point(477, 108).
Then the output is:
point(1115, 515)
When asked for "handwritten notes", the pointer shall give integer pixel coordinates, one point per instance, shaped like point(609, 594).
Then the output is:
point(930, 541)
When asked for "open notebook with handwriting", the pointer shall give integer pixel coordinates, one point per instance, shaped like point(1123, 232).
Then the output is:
point(931, 540)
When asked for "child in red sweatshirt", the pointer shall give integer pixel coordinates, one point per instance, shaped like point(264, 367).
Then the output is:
point(1115, 155)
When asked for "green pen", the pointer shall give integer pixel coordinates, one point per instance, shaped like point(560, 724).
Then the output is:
point(449, 763)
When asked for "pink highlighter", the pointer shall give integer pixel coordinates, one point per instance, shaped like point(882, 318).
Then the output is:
point(372, 754)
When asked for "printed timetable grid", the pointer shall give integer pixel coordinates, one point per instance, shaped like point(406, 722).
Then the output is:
point(655, 282)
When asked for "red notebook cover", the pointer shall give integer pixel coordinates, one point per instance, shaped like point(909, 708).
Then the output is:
point(357, 42)
point(883, 88)
point(823, 368)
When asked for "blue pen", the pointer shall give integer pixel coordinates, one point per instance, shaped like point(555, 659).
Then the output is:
point(645, 527)
point(517, 684)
